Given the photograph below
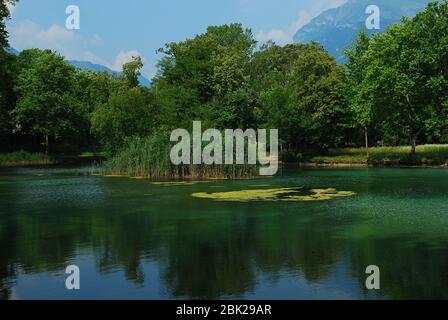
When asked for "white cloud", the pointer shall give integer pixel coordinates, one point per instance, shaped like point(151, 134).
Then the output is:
point(70, 44)
point(283, 37)
point(124, 57)
point(92, 57)
point(278, 36)
point(306, 16)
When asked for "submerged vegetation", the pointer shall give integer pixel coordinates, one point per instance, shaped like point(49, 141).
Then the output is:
point(279, 194)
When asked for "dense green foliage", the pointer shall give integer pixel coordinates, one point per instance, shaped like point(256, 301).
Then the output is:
point(206, 78)
point(125, 114)
point(4, 14)
point(46, 104)
point(404, 79)
point(7, 97)
point(300, 91)
point(392, 91)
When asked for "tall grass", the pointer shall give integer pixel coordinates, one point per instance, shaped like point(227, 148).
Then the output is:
point(150, 158)
point(24, 158)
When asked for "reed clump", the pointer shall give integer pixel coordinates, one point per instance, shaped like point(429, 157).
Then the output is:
point(149, 157)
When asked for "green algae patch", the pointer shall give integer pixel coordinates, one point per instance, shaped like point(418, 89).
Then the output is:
point(178, 183)
point(279, 194)
point(259, 185)
point(321, 195)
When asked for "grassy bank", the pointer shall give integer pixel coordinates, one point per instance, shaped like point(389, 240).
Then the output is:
point(149, 158)
point(22, 158)
point(426, 155)
point(81, 158)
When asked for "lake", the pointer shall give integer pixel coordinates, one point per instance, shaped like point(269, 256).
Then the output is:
point(132, 239)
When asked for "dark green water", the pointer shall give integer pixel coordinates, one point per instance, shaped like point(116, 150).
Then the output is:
point(134, 240)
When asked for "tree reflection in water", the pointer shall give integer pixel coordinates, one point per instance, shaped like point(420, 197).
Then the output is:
point(207, 249)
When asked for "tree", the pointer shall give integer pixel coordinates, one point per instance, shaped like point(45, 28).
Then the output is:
point(122, 108)
point(199, 75)
point(300, 93)
point(7, 73)
point(7, 96)
point(131, 71)
point(355, 68)
point(407, 74)
point(4, 14)
point(430, 27)
point(46, 105)
point(127, 113)
point(90, 89)
point(400, 79)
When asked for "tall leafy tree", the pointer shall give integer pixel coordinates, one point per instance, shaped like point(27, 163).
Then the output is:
point(122, 108)
point(7, 96)
point(300, 93)
point(46, 105)
point(406, 76)
point(199, 75)
point(7, 73)
point(356, 67)
point(131, 71)
point(4, 14)
point(127, 113)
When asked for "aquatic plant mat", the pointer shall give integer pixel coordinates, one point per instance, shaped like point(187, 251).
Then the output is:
point(279, 194)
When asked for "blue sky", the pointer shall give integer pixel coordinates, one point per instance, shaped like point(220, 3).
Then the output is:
point(114, 31)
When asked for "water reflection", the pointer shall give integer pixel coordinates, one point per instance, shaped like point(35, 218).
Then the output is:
point(148, 241)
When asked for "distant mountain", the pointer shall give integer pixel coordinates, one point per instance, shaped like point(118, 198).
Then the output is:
point(12, 51)
point(85, 65)
point(336, 28)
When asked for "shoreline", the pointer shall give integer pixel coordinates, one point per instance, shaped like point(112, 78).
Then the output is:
point(58, 160)
point(315, 165)
point(303, 165)
point(26, 163)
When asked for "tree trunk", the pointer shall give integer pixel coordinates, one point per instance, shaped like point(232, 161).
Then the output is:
point(366, 137)
point(414, 144)
point(46, 144)
point(413, 134)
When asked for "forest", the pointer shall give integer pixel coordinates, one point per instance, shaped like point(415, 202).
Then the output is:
point(392, 91)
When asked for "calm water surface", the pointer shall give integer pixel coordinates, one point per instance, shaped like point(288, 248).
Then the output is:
point(135, 240)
